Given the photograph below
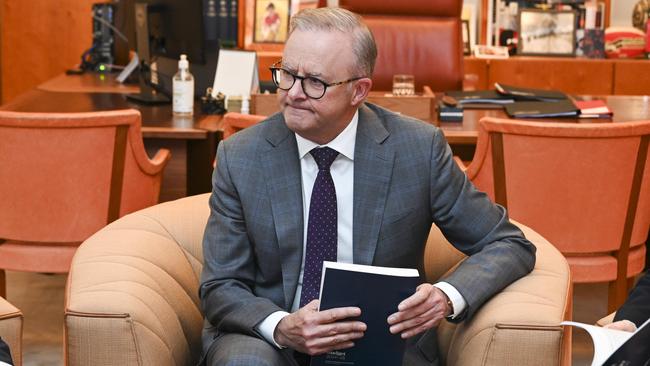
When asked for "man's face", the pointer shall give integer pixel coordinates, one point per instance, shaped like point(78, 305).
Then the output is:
point(327, 56)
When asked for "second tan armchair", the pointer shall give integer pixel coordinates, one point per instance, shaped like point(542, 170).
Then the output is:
point(132, 297)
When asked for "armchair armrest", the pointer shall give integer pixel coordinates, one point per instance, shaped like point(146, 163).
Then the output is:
point(131, 296)
point(160, 159)
point(519, 325)
point(460, 163)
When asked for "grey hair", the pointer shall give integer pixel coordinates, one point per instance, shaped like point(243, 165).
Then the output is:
point(345, 21)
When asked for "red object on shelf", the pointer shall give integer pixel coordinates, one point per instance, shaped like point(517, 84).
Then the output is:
point(624, 42)
point(647, 36)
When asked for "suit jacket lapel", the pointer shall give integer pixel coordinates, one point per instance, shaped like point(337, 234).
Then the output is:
point(284, 183)
point(373, 166)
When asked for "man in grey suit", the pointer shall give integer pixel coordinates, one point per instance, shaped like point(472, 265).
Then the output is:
point(393, 177)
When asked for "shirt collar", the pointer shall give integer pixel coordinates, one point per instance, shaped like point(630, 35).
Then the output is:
point(343, 143)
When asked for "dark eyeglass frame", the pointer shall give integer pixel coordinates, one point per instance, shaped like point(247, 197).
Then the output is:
point(275, 68)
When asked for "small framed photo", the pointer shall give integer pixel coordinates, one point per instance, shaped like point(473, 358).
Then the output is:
point(546, 32)
point(465, 30)
point(271, 21)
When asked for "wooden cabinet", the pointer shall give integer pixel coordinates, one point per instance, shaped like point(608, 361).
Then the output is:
point(632, 77)
point(570, 75)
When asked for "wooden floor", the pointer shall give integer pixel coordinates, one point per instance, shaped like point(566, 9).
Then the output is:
point(40, 297)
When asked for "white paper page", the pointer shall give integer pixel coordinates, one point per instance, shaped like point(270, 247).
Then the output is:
point(606, 341)
point(391, 271)
point(236, 73)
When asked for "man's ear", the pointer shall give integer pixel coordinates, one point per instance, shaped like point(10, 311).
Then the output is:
point(360, 92)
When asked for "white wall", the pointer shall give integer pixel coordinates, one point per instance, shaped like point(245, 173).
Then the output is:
point(621, 13)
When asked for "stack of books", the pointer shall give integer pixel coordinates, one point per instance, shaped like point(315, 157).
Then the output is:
point(528, 94)
point(537, 103)
point(595, 108)
point(536, 109)
point(449, 112)
point(480, 99)
point(520, 103)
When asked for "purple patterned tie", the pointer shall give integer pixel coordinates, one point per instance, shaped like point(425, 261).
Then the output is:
point(321, 229)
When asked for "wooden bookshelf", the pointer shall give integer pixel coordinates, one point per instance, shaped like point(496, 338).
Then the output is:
point(483, 21)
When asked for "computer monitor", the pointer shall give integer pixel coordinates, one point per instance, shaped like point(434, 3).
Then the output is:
point(166, 29)
point(175, 28)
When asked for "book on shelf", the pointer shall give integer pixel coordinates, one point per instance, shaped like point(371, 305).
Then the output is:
point(482, 99)
point(596, 108)
point(563, 108)
point(223, 14)
point(449, 113)
point(376, 291)
point(529, 94)
point(615, 347)
point(210, 20)
point(233, 17)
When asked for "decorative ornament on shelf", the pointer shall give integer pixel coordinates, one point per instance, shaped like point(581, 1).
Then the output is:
point(640, 14)
point(624, 42)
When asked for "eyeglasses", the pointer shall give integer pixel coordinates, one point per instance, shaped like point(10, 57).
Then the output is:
point(313, 87)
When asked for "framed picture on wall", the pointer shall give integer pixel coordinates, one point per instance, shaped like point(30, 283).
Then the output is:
point(546, 32)
point(271, 21)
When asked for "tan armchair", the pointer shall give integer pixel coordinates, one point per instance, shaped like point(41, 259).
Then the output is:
point(132, 297)
point(11, 329)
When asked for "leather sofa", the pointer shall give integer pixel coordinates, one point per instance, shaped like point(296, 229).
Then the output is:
point(11, 329)
point(132, 297)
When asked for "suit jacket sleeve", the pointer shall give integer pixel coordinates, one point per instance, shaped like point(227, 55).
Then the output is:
point(5, 354)
point(228, 275)
point(637, 306)
point(498, 253)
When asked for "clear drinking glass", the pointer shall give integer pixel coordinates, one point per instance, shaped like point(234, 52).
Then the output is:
point(403, 84)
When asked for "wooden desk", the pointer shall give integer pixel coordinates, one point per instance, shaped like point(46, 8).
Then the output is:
point(192, 140)
point(462, 136)
point(625, 108)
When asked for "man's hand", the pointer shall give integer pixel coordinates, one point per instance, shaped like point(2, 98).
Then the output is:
point(420, 312)
point(624, 325)
point(316, 332)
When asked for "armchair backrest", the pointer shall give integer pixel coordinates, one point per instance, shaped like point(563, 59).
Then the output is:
point(583, 186)
point(234, 122)
point(418, 37)
point(580, 185)
point(66, 175)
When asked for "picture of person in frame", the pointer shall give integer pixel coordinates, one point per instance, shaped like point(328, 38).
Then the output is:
point(271, 21)
point(271, 24)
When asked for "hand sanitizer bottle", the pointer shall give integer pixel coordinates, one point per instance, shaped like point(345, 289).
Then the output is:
point(183, 89)
point(245, 105)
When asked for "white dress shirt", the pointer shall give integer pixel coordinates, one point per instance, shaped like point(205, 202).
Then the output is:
point(342, 171)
